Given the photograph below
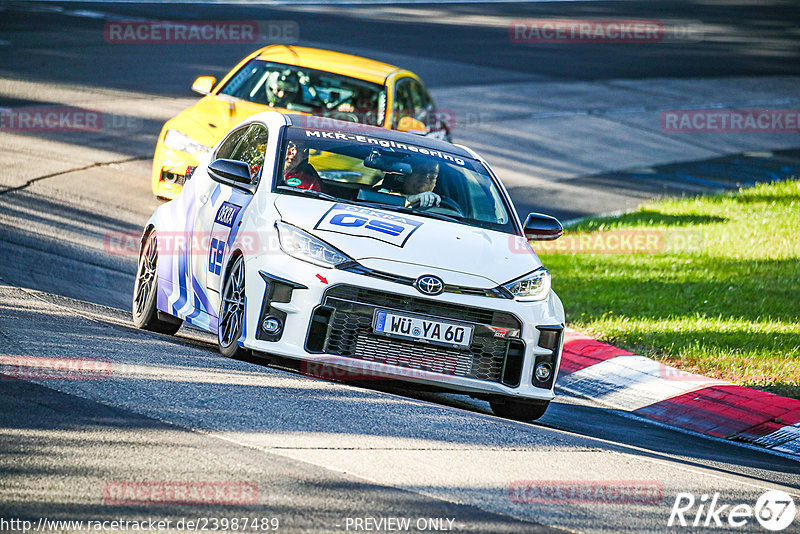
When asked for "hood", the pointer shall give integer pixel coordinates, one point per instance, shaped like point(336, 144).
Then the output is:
point(412, 246)
point(215, 115)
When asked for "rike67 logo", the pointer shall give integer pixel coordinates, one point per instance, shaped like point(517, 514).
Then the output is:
point(774, 510)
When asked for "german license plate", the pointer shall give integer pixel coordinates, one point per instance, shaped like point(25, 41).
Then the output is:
point(422, 329)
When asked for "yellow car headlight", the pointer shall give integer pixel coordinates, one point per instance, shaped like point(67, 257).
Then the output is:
point(181, 142)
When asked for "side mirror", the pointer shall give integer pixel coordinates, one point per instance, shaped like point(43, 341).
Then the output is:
point(410, 124)
point(230, 172)
point(204, 84)
point(541, 227)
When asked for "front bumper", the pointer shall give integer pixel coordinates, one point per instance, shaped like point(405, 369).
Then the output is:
point(327, 323)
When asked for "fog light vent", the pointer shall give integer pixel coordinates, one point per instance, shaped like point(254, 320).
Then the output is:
point(548, 338)
point(512, 367)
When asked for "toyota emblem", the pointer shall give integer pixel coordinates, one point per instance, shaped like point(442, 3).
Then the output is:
point(429, 284)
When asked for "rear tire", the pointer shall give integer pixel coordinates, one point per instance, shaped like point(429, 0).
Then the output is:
point(519, 410)
point(231, 312)
point(145, 291)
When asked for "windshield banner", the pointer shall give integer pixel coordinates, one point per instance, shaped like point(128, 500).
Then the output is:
point(384, 143)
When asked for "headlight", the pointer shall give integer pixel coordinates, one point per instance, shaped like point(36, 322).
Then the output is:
point(306, 247)
point(176, 140)
point(533, 286)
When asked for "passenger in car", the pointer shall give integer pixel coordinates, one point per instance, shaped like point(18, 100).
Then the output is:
point(297, 171)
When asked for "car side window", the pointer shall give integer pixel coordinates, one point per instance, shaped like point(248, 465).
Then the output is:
point(411, 99)
point(247, 144)
point(230, 143)
point(422, 100)
point(403, 105)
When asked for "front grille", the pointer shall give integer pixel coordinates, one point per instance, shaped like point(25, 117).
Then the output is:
point(350, 334)
point(424, 306)
point(405, 354)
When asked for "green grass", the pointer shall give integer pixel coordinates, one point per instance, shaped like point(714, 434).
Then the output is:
point(718, 294)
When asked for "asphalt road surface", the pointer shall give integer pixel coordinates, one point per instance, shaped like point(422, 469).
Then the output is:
point(314, 454)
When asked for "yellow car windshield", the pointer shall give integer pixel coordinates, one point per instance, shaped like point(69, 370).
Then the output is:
point(310, 91)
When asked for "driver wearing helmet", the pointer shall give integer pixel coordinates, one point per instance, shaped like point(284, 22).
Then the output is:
point(297, 171)
point(285, 88)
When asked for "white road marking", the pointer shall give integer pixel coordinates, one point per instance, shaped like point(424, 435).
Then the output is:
point(633, 382)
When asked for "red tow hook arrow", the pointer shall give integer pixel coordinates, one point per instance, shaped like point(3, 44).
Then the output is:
point(322, 279)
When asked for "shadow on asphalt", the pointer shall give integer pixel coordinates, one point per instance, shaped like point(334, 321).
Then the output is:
point(639, 438)
point(90, 451)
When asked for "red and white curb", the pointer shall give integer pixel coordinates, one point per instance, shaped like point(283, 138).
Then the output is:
point(655, 391)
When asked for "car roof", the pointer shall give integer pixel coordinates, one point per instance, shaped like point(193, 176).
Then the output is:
point(330, 61)
point(312, 122)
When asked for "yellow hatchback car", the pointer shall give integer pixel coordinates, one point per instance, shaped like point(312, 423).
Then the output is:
point(299, 80)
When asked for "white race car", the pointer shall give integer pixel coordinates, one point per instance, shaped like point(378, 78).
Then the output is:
point(362, 252)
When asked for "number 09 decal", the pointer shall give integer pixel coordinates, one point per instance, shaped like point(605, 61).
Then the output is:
point(366, 222)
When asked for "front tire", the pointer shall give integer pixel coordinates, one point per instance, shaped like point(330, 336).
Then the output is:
point(145, 290)
point(519, 410)
point(231, 311)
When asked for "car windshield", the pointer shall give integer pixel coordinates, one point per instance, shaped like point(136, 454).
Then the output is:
point(307, 90)
point(345, 166)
